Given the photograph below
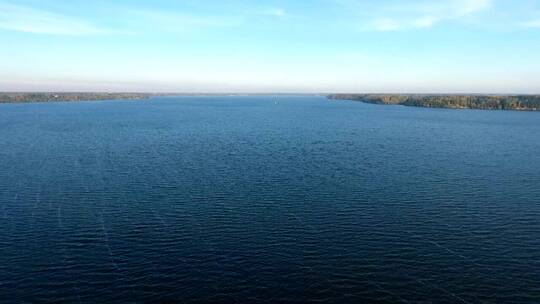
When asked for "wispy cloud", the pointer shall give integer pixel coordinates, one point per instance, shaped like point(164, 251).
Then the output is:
point(275, 12)
point(177, 22)
point(30, 20)
point(389, 16)
point(270, 12)
point(531, 24)
point(19, 18)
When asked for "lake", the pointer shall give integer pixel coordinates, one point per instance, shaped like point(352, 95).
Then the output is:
point(265, 199)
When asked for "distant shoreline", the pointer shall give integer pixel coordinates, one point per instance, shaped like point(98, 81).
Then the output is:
point(448, 101)
point(458, 101)
point(44, 97)
point(37, 97)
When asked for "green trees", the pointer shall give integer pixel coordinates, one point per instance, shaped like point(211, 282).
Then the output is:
point(486, 102)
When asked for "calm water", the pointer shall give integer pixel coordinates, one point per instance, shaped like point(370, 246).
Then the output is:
point(263, 199)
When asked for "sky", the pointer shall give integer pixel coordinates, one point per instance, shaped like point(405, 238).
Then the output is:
point(254, 46)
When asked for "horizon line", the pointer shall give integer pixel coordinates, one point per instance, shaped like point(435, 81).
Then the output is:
point(164, 93)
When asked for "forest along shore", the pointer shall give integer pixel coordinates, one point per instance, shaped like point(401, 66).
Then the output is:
point(19, 97)
point(484, 102)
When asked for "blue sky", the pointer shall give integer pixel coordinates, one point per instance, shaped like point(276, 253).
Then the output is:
point(443, 46)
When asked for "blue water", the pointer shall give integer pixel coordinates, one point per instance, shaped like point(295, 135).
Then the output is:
point(267, 199)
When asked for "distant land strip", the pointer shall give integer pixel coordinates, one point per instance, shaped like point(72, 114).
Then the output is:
point(484, 102)
point(19, 97)
point(22, 97)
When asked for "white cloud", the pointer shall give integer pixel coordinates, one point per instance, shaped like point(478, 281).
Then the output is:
point(176, 22)
point(276, 12)
point(25, 19)
point(29, 20)
point(466, 7)
point(531, 24)
point(389, 16)
point(386, 24)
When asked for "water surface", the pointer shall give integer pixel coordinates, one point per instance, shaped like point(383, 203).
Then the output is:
point(266, 199)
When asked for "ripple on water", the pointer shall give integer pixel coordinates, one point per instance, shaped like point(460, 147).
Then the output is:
point(234, 199)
